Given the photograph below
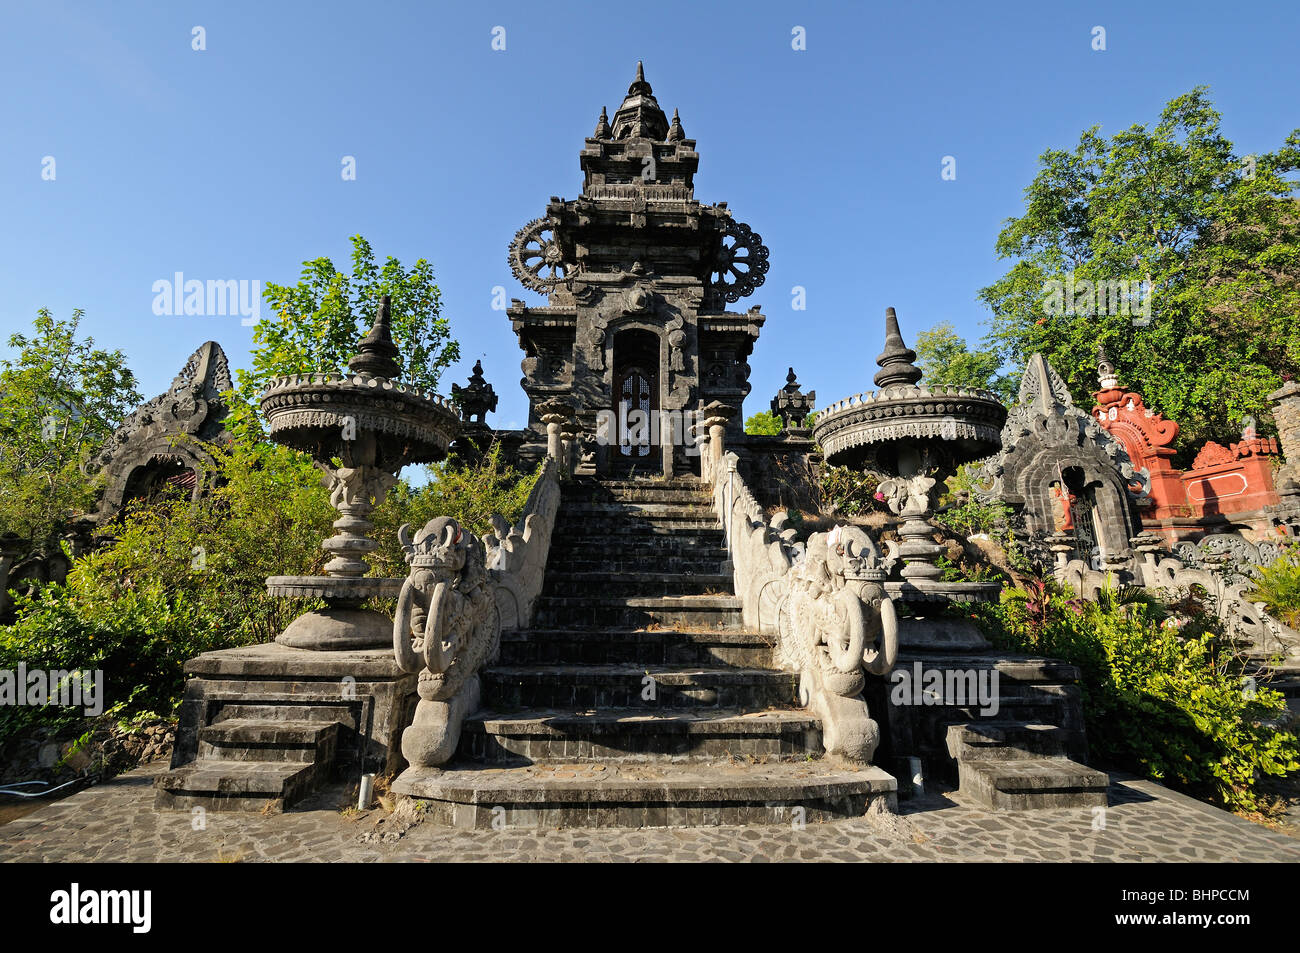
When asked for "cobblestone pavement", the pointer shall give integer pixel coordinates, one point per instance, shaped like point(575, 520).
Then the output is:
point(1144, 822)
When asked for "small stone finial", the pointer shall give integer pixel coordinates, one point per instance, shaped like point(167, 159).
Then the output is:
point(895, 361)
point(639, 85)
point(791, 405)
point(476, 400)
point(675, 132)
point(376, 354)
point(1105, 369)
point(602, 125)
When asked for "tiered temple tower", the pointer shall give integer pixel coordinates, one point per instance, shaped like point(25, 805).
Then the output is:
point(638, 274)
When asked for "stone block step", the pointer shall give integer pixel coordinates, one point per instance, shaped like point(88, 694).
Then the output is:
point(635, 646)
point(635, 734)
point(567, 583)
point(346, 715)
point(572, 511)
point(250, 739)
point(1033, 783)
point(646, 795)
point(700, 612)
point(615, 560)
point(578, 687)
point(235, 785)
point(1006, 740)
point(592, 525)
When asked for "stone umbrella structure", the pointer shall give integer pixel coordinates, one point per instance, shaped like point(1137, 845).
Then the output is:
point(375, 425)
point(916, 437)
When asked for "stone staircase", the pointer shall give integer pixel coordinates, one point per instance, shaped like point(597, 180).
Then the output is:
point(1026, 754)
point(638, 699)
point(263, 727)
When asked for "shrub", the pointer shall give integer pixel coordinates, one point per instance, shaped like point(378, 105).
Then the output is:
point(848, 492)
point(1278, 587)
point(1160, 698)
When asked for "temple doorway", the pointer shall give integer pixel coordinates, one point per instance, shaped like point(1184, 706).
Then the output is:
point(636, 402)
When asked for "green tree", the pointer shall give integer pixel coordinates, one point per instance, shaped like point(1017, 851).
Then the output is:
point(60, 399)
point(945, 359)
point(1207, 245)
point(764, 423)
point(317, 322)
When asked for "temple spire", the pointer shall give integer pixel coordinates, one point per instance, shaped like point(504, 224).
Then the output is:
point(895, 361)
point(376, 353)
point(602, 125)
point(640, 116)
point(676, 133)
point(1105, 369)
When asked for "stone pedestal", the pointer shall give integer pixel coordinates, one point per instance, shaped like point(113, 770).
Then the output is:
point(270, 724)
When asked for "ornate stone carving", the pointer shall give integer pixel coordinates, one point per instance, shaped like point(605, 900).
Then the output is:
point(477, 399)
point(791, 404)
point(740, 265)
point(166, 435)
point(825, 602)
point(536, 258)
point(460, 594)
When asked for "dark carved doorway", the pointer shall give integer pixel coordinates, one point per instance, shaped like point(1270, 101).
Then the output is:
point(636, 402)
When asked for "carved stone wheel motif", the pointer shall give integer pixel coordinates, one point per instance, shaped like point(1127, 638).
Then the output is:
point(741, 264)
point(536, 258)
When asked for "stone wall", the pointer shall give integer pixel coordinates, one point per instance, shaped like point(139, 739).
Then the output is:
point(781, 470)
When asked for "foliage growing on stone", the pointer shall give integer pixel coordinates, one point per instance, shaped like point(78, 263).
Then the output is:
point(1214, 234)
point(60, 399)
point(1277, 585)
point(1161, 693)
point(849, 492)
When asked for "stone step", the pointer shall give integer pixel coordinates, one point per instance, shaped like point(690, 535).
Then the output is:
point(637, 548)
point(567, 583)
point(637, 510)
point(1006, 740)
point(621, 561)
point(1032, 783)
point(249, 739)
point(646, 795)
point(235, 785)
point(346, 715)
point(635, 646)
point(635, 734)
point(588, 525)
point(579, 687)
point(706, 612)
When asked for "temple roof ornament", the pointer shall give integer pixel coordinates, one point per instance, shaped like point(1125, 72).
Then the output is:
point(602, 126)
point(477, 399)
point(640, 116)
point(676, 133)
point(792, 405)
point(376, 353)
point(1105, 369)
point(895, 361)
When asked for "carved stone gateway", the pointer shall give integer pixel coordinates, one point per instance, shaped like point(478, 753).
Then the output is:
point(163, 441)
point(638, 274)
point(1050, 447)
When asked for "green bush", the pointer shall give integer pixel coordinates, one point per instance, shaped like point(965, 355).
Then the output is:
point(1278, 587)
point(848, 492)
point(1160, 698)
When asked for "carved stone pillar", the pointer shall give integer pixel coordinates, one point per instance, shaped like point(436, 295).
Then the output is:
point(556, 414)
point(716, 415)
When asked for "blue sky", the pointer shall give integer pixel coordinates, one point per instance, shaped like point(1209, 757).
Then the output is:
point(225, 163)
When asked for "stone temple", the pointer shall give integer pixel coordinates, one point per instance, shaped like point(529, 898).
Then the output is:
point(653, 644)
point(639, 274)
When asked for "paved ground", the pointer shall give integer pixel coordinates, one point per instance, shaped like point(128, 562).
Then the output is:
point(1145, 822)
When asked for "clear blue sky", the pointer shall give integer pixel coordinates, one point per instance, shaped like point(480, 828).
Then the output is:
point(225, 163)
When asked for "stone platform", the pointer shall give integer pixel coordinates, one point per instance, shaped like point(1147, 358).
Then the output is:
point(264, 726)
point(1144, 822)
